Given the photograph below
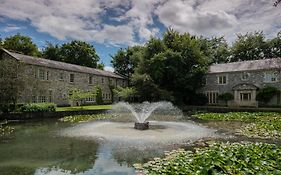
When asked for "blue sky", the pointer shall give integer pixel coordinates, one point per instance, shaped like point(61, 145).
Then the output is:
point(112, 24)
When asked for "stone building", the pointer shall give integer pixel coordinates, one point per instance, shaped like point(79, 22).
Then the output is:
point(50, 81)
point(244, 80)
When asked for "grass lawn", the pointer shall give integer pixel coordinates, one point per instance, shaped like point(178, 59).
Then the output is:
point(77, 108)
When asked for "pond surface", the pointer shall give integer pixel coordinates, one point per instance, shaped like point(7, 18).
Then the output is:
point(39, 148)
point(42, 148)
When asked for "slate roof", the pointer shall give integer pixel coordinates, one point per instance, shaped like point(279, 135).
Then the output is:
point(264, 64)
point(61, 65)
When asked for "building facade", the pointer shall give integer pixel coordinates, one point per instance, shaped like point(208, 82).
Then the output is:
point(244, 80)
point(51, 81)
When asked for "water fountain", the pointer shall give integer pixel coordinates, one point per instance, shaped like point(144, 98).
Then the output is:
point(163, 128)
point(142, 111)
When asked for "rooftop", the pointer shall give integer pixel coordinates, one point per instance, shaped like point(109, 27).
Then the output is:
point(60, 65)
point(264, 64)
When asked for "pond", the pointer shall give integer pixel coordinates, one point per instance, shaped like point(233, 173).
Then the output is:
point(60, 148)
point(40, 148)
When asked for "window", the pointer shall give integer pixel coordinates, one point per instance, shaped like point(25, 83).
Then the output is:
point(61, 76)
point(222, 80)
point(41, 74)
point(245, 96)
point(212, 97)
point(71, 79)
point(50, 96)
point(90, 99)
point(102, 80)
point(123, 82)
point(47, 75)
point(34, 99)
point(245, 76)
point(90, 79)
point(270, 77)
point(42, 99)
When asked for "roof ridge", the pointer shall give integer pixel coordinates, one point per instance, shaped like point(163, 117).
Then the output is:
point(236, 62)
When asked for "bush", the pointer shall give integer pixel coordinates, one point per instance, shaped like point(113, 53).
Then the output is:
point(226, 96)
point(198, 99)
point(99, 95)
point(266, 94)
point(38, 107)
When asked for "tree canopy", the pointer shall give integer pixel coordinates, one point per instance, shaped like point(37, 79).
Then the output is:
point(22, 44)
point(74, 52)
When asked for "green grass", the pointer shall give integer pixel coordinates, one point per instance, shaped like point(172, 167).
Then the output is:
point(79, 108)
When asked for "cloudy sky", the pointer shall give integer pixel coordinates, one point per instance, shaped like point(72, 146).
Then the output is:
point(111, 24)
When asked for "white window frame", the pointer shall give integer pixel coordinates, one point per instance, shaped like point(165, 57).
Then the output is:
point(212, 97)
point(222, 83)
point(71, 80)
point(41, 74)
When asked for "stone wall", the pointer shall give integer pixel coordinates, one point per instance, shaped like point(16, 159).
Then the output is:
point(255, 78)
point(45, 84)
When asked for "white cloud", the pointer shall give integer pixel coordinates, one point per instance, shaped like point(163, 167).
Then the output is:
point(109, 68)
point(220, 17)
point(10, 28)
point(117, 22)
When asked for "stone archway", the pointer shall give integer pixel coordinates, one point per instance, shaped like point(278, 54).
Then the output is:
point(245, 95)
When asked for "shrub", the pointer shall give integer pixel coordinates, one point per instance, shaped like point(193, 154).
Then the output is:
point(198, 99)
point(38, 107)
point(226, 96)
point(99, 95)
point(266, 94)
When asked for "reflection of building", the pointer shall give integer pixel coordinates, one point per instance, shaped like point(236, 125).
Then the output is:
point(54, 79)
point(243, 79)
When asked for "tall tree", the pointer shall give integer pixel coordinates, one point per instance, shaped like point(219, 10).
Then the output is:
point(126, 60)
point(75, 52)
point(215, 49)
point(275, 46)
point(251, 46)
point(52, 52)
point(22, 44)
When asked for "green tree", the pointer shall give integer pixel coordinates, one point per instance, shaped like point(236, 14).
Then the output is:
point(99, 98)
point(126, 60)
point(22, 44)
point(226, 97)
point(77, 95)
point(75, 52)
point(215, 49)
point(266, 94)
point(100, 66)
point(125, 92)
point(251, 46)
point(52, 52)
point(275, 46)
point(12, 83)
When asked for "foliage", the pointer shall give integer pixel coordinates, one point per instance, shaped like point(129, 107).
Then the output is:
point(198, 99)
point(226, 96)
point(219, 158)
point(238, 116)
point(124, 92)
point(93, 107)
point(126, 60)
point(77, 95)
point(216, 49)
point(251, 46)
point(5, 131)
point(74, 52)
point(38, 107)
point(22, 44)
point(275, 46)
point(266, 94)
point(99, 98)
point(85, 118)
point(262, 124)
point(12, 82)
